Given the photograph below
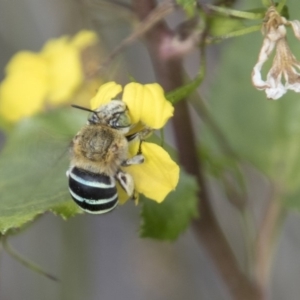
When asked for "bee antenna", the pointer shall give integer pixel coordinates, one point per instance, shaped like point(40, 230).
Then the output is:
point(83, 108)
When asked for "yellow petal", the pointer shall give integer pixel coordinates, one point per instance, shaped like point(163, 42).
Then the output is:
point(122, 195)
point(157, 176)
point(86, 91)
point(23, 91)
point(65, 70)
point(26, 61)
point(87, 43)
point(84, 38)
point(147, 103)
point(105, 93)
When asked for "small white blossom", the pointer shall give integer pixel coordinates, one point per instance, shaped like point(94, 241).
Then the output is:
point(285, 65)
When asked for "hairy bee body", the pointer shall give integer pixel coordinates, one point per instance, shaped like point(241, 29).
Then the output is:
point(98, 151)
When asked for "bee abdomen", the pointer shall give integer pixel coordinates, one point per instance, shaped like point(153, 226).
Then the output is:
point(94, 193)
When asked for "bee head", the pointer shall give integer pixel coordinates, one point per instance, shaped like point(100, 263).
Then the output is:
point(113, 114)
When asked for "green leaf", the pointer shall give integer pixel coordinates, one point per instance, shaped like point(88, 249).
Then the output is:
point(66, 210)
point(231, 34)
point(266, 3)
point(292, 201)
point(186, 90)
point(221, 26)
point(33, 168)
point(166, 220)
point(254, 14)
point(189, 6)
point(281, 6)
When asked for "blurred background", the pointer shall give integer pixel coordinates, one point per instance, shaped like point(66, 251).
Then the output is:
point(102, 257)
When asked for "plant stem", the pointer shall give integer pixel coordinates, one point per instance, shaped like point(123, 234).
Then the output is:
point(264, 245)
point(24, 261)
point(170, 74)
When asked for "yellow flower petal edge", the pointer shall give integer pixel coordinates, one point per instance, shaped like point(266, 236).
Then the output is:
point(157, 176)
point(84, 38)
point(53, 46)
point(105, 93)
point(25, 61)
point(147, 103)
point(123, 197)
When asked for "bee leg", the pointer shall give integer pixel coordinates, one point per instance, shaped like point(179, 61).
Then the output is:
point(146, 132)
point(135, 160)
point(126, 182)
point(135, 197)
point(141, 135)
point(132, 137)
point(140, 148)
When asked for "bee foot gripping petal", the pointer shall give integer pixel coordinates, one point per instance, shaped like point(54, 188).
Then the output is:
point(126, 182)
point(135, 160)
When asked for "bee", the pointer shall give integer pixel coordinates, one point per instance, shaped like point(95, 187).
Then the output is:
point(98, 152)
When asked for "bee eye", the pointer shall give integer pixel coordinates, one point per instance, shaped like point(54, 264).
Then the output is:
point(121, 120)
point(93, 119)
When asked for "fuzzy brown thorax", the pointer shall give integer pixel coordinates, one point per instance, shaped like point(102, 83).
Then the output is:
point(99, 148)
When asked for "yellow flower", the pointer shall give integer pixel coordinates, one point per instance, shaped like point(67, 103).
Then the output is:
point(50, 76)
point(65, 66)
point(64, 69)
point(105, 93)
point(22, 92)
point(158, 175)
point(146, 103)
point(284, 65)
point(84, 38)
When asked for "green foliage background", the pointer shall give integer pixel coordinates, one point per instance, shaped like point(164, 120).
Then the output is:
point(33, 165)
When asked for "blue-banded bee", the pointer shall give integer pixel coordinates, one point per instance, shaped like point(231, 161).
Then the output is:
point(98, 151)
